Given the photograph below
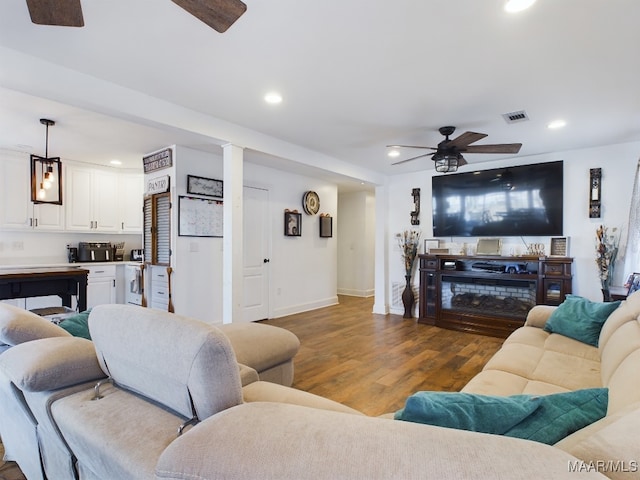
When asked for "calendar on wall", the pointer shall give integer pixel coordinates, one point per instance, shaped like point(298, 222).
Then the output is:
point(199, 217)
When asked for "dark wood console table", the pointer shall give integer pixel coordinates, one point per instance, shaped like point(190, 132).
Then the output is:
point(490, 295)
point(36, 282)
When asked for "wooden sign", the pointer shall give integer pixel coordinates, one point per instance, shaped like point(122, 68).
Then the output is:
point(157, 185)
point(157, 161)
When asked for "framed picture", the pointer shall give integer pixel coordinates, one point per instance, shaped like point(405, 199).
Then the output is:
point(430, 244)
point(326, 226)
point(209, 187)
point(634, 286)
point(292, 224)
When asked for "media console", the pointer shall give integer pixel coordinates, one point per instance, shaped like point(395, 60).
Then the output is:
point(490, 295)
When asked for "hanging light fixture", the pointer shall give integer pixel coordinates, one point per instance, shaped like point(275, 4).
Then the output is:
point(46, 174)
point(446, 162)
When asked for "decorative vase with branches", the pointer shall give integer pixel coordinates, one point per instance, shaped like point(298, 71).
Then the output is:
point(408, 243)
point(606, 252)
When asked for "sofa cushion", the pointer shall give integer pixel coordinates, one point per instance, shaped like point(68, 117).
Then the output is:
point(545, 418)
point(182, 363)
point(466, 411)
point(77, 325)
point(580, 318)
point(51, 363)
point(18, 325)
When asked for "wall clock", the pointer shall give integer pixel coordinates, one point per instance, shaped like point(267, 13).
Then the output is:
point(310, 202)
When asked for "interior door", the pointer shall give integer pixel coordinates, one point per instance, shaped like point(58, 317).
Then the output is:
point(256, 250)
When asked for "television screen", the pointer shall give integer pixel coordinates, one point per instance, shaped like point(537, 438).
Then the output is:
point(502, 202)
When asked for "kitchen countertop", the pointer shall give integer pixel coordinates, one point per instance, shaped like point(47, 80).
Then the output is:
point(28, 266)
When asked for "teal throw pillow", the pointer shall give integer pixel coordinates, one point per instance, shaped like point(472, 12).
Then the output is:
point(466, 411)
point(580, 319)
point(561, 414)
point(77, 325)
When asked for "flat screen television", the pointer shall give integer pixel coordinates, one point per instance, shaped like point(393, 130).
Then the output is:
point(524, 200)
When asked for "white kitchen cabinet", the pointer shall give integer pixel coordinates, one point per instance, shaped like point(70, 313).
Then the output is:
point(92, 200)
point(101, 285)
point(159, 297)
point(130, 198)
point(17, 211)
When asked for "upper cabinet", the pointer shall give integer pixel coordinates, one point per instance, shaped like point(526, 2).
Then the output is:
point(131, 198)
point(91, 200)
point(17, 211)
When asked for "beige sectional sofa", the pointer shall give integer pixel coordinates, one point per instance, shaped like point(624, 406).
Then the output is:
point(265, 430)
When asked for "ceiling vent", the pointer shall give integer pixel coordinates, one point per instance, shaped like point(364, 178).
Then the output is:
point(514, 117)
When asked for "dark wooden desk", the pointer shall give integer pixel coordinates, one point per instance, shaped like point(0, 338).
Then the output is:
point(37, 282)
point(618, 293)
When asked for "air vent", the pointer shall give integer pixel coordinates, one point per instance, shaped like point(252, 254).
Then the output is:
point(514, 117)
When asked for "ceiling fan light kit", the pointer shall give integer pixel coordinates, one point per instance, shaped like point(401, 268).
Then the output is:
point(447, 156)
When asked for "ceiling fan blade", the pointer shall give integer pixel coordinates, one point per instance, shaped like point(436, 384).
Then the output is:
point(465, 139)
point(218, 14)
point(498, 148)
point(412, 158)
point(63, 13)
point(410, 146)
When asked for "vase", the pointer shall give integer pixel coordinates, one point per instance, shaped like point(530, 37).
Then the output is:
point(407, 298)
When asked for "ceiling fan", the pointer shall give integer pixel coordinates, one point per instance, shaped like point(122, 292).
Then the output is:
point(448, 154)
point(218, 14)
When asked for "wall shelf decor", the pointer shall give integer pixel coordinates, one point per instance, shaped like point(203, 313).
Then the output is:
point(326, 226)
point(292, 223)
point(595, 193)
point(415, 215)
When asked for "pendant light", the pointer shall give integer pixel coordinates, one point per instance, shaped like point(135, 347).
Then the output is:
point(46, 174)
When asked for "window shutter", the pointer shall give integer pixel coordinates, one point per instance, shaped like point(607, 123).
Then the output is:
point(157, 229)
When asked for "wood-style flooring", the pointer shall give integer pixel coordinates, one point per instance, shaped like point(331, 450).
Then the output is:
point(374, 362)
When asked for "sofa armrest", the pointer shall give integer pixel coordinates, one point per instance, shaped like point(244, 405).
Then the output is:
point(538, 315)
point(51, 363)
point(273, 392)
point(247, 375)
point(271, 440)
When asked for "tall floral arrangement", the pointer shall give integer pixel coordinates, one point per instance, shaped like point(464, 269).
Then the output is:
point(606, 252)
point(408, 242)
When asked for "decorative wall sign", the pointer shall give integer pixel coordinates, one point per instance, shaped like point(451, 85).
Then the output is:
point(595, 193)
point(199, 217)
point(326, 226)
point(209, 187)
point(157, 161)
point(559, 247)
point(310, 203)
point(292, 223)
point(158, 185)
point(415, 215)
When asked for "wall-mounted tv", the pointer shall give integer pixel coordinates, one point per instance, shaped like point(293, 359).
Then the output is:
point(502, 202)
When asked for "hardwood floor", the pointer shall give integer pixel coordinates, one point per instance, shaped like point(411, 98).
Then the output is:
point(374, 362)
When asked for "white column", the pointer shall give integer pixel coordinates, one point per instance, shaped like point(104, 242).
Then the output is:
point(381, 303)
point(232, 234)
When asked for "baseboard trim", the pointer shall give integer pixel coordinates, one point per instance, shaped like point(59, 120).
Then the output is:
point(350, 292)
point(305, 307)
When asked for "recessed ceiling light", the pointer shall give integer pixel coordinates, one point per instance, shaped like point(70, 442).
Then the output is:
point(273, 98)
point(393, 153)
point(115, 162)
point(557, 124)
point(514, 6)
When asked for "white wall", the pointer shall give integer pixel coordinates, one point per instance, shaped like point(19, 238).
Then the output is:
point(618, 163)
point(303, 270)
point(356, 243)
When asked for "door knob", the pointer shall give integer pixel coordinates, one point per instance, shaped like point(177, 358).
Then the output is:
point(266, 260)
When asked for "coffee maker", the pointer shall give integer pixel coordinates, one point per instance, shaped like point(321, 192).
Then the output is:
point(72, 254)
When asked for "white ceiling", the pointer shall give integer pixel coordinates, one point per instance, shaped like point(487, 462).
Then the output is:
point(355, 75)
